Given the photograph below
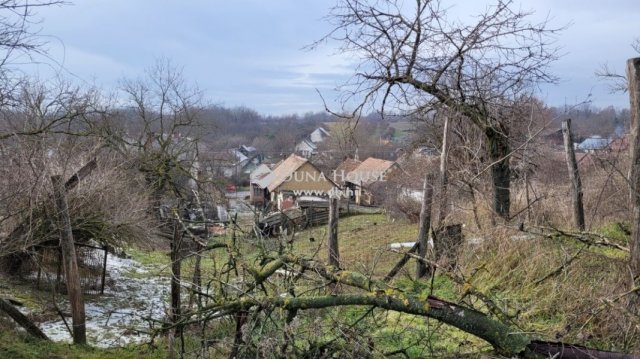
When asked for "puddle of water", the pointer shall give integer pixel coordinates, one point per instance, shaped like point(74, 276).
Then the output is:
point(121, 315)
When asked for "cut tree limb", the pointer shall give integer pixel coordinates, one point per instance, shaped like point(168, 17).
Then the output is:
point(21, 319)
point(505, 339)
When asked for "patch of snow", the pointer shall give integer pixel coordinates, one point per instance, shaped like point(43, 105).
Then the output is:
point(126, 310)
point(401, 245)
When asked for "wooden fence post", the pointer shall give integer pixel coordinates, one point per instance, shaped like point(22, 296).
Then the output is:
point(633, 76)
point(574, 175)
point(425, 224)
point(334, 252)
point(104, 268)
point(74, 288)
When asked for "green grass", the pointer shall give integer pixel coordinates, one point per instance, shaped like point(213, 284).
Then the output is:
point(567, 306)
point(363, 242)
point(18, 346)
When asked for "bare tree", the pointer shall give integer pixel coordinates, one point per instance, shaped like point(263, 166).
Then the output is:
point(165, 111)
point(617, 82)
point(19, 40)
point(414, 55)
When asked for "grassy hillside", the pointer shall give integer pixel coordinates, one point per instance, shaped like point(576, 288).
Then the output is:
point(555, 288)
point(364, 242)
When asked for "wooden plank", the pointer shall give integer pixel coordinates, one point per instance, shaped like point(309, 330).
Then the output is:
point(83, 172)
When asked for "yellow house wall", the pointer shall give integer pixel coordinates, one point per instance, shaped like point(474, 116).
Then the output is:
point(306, 178)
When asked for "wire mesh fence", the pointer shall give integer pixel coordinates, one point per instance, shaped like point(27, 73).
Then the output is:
point(45, 266)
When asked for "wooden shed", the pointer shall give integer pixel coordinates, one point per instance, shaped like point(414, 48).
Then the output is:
point(370, 171)
point(294, 177)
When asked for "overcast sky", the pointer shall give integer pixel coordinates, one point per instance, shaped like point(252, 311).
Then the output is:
point(249, 52)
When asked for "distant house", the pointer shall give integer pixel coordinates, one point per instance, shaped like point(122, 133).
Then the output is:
point(593, 143)
point(257, 184)
point(319, 135)
point(241, 161)
point(340, 173)
point(309, 145)
point(294, 177)
point(370, 171)
point(248, 151)
point(306, 148)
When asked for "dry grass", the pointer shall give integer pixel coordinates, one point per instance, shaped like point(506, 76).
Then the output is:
point(538, 282)
point(364, 242)
point(552, 294)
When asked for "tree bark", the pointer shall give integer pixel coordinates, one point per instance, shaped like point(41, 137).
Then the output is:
point(444, 177)
point(574, 175)
point(425, 224)
point(175, 273)
point(503, 338)
point(498, 143)
point(334, 251)
point(74, 288)
point(633, 76)
point(506, 341)
point(175, 284)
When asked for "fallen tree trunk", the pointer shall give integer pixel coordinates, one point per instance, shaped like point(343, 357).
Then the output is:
point(505, 339)
point(21, 319)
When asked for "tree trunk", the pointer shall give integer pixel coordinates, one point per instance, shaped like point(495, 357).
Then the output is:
point(444, 178)
point(503, 338)
point(334, 252)
point(574, 175)
point(425, 224)
point(506, 340)
point(196, 286)
point(175, 284)
point(74, 288)
point(633, 76)
point(498, 143)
